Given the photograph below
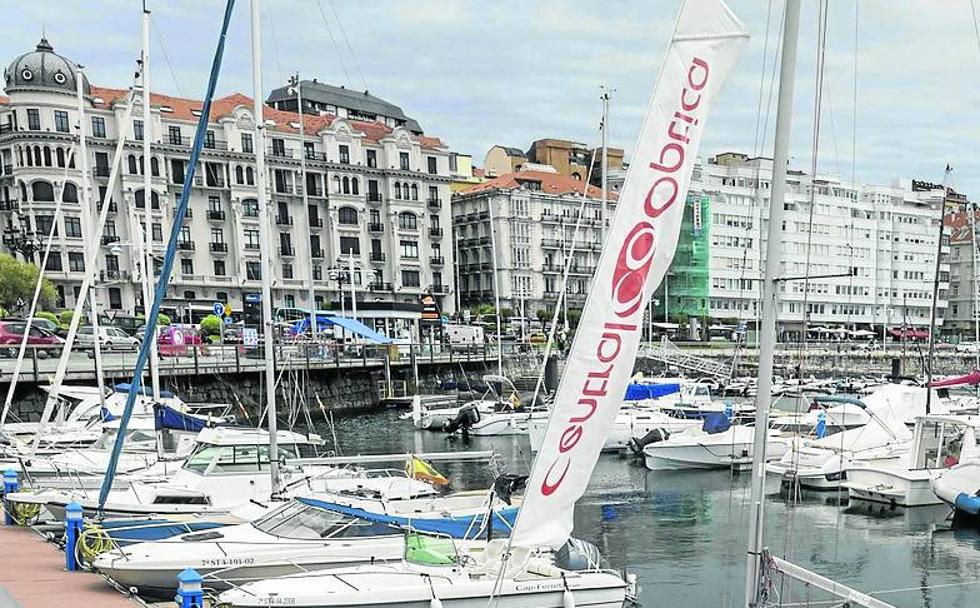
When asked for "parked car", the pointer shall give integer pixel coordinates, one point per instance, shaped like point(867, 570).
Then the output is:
point(127, 323)
point(110, 338)
point(46, 324)
point(12, 333)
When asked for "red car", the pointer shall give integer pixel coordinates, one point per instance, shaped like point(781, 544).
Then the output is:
point(12, 332)
point(175, 341)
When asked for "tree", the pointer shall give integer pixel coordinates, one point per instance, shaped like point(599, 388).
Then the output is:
point(48, 316)
point(574, 314)
point(64, 317)
point(17, 281)
point(544, 316)
point(506, 313)
point(211, 325)
point(163, 320)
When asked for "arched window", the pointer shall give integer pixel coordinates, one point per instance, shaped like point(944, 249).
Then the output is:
point(70, 193)
point(42, 191)
point(354, 188)
point(239, 175)
point(398, 190)
point(347, 215)
point(415, 192)
point(37, 156)
point(23, 192)
point(346, 185)
point(154, 166)
point(47, 156)
point(249, 176)
point(59, 154)
point(71, 161)
point(336, 184)
point(408, 221)
point(131, 164)
point(141, 199)
point(28, 157)
point(141, 166)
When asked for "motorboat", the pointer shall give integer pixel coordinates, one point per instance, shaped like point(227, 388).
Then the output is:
point(833, 413)
point(904, 402)
point(819, 463)
point(441, 572)
point(959, 487)
point(503, 410)
point(633, 422)
point(940, 442)
point(712, 446)
point(302, 535)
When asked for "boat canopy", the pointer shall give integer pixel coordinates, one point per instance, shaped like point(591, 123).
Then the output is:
point(166, 417)
point(126, 387)
point(241, 435)
point(637, 391)
point(351, 325)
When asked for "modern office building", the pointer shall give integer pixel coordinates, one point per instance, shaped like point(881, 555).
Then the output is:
point(375, 197)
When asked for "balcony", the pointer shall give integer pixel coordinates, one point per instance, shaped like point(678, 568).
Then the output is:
point(287, 250)
point(108, 239)
point(316, 222)
point(379, 286)
point(317, 254)
point(483, 215)
point(377, 256)
point(99, 171)
point(551, 243)
point(176, 140)
point(284, 220)
point(113, 207)
point(216, 215)
point(440, 289)
point(251, 246)
point(280, 152)
point(215, 181)
point(434, 203)
point(376, 227)
point(215, 144)
point(435, 231)
point(551, 267)
point(437, 260)
point(114, 275)
point(185, 245)
point(375, 197)
point(219, 247)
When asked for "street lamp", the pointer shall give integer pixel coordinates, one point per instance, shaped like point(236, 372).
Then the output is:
point(25, 242)
point(341, 276)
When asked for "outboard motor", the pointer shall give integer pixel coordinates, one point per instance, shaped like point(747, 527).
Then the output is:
point(636, 444)
point(506, 485)
point(467, 416)
point(577, 555)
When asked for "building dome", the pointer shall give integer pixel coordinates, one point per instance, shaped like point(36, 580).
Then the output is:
point(43, 69)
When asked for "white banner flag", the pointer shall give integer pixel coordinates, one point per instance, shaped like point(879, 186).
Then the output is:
point(639, 247)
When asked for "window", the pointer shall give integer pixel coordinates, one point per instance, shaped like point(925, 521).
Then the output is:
point(410, 278)
point(398, 190)
point(434, 222)
point(415, 192)
point(185, 234)
point(285, 243)
point(131, 165)
point(221, 296)
point(309, 150)
point(408, 221)
point(115, 299)
point(431, 160)
point(289, 300)
point(219, 269)
point(33, 119)
point(138, 130)
point(45, 223)
point(157, 232)
point(278, 147)
point(253, 271)
point(76, 261)
point(174, 135)
point(214, 203)
point(239, 175)
point(433, 193)
point(409, 250)
point(54, 262)
point(98, 126)
point(247, 142)
point(372, 158)
point(354, 188)
point(217, 235)
point(345, 154)
point(249, 176)
point(73, 227)
point(154, 166)
point(347, 216)
point(209, 139)
point(186, 266)
point(350, 244)
point(251, 239)
point(177, 171)
point(61, 121)
point(375, 217)
point(403, 161)
point(287, 271)
point(250, 207)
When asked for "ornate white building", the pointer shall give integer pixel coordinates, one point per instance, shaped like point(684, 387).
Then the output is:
point(378, 199)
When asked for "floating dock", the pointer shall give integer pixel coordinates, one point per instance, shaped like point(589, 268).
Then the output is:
point(34, 576)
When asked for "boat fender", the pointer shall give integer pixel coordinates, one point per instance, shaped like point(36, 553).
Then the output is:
point(567, 597)
point(968, 503)
point(636, 445)
point(435, 603)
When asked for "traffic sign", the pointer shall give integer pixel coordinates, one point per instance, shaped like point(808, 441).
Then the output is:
point(218, 308)
point(228, 310)
point(229, 320)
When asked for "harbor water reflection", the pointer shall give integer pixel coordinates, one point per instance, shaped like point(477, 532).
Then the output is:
point(684, 533)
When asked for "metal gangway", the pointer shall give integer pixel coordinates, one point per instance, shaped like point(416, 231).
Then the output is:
point(670, 354)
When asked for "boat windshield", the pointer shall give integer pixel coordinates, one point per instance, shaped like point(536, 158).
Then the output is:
point(135, 439)
point(301, 521)
point(209, 459)
point(940, 444)
point(429, 550)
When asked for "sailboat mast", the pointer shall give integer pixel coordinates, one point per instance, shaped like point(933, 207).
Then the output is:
point(935, 291)
point(306, 205)
point(264, 245)
point(767, 328)
point(496, 287)
point(605, 161)
point(147, 248)
point(976, 286)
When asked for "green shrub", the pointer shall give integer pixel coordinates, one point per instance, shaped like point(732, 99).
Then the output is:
point(64, 317)
point(163, 320)
point(211, 325)
point(47, 316)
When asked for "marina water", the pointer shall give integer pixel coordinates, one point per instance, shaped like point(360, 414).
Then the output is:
point(684, 533)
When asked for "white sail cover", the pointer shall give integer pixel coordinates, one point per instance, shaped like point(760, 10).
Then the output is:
point(638, 249)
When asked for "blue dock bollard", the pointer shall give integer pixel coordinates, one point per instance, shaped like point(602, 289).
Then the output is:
point(10, 485)
point(190, 593)
point(73, 529)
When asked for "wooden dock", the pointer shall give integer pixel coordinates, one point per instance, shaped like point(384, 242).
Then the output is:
point(33, 575)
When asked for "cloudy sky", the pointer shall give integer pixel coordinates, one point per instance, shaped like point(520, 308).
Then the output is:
point(508, 72)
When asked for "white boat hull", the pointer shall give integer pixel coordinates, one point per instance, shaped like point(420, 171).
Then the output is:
point(892, 486)
point(716, 451)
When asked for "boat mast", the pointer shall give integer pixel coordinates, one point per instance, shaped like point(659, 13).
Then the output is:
point(976, 286)
point(767, 327)
point(935, 290)
point(605, 161)
point(496, 287)
point(147, 249)
point(264, 246)
point(306, 203)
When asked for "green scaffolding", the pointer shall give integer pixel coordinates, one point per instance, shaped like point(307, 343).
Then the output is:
point(687, 279)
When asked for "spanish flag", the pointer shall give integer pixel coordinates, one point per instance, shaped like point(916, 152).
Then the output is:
point(416, 468)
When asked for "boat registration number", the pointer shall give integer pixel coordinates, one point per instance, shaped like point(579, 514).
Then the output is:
point(224, 562)
point(275, 600)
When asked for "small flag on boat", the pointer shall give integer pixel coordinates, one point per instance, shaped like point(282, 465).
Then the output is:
point(416, 468)
point(515, 401)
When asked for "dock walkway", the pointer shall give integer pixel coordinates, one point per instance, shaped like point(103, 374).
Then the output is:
point(32, 575)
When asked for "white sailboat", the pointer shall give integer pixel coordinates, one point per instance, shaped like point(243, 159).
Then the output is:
point(539, 566)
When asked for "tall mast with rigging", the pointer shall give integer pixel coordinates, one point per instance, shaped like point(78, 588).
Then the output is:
point(147, 248)
point(935, 288)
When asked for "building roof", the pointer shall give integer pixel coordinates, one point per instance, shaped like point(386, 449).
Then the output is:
point(361, 101)
point(43, 69)
point(551, 183)
point(285, 122)
point(512, 151)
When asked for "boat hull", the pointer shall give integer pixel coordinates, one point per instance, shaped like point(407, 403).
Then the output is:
point(896, 487)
